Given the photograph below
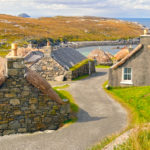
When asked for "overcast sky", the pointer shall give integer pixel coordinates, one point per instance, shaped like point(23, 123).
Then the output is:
point(103, 8)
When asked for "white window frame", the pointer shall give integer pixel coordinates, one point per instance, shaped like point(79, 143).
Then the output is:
point(126, 81)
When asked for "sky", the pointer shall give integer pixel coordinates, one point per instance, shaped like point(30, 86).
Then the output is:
point(101, 8)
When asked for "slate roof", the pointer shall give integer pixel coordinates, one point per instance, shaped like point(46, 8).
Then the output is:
point(34, 56)
point(67, 57)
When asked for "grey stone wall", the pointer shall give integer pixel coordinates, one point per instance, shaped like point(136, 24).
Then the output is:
point(48, 68)
point(83, 70)
point(139, 63)
point(24, 108)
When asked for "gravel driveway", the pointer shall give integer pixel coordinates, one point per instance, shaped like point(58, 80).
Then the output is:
point(99, 116)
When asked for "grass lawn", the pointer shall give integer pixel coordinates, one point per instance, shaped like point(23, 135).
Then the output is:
point(102, 66)
point(66, 95)
point(137, 102)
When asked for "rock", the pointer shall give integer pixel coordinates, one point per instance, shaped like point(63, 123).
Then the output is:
point(14, 124)
point(22, 130)
point(24, 15)
point(14, 102)
point(17, 112)
point(12, 72)
point(10, 95)
point(107, 87)
point(18, 65)
point(7, 132)
point(59, 78)
point(3, 126)
point(33, 101)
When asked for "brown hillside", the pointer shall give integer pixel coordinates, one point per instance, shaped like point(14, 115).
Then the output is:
point(72, 28)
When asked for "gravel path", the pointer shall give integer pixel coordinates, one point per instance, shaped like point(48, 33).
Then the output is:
point(99, 116)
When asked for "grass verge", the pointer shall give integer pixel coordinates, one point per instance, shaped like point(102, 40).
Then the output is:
point(139, 140)
point(66, 95)
point(102, 66)
point(136, 100)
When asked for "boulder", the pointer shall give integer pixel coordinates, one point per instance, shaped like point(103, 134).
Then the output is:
point(59, 78)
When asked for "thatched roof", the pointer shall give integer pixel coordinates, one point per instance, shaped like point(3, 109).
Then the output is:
point(139, 47)
point(110, 55)
point(2, 70)
point(101, 56)
point(37, 81)
point(122, 53)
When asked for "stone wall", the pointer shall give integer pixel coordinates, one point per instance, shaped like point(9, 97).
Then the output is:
point(83, 70)
point(24, 108)
point(48, 68)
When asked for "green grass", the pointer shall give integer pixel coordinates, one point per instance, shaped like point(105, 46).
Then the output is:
point(62, 87)
point(3, 53)
point(77, 66)
point(66, 95)
point(81, 77)
point(102, 66)
point(136, 100)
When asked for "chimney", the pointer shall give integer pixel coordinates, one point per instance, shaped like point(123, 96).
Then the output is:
point(14, 47)
point(145, 39)
point(48, 50)
point(15, 64)
point(146, 31)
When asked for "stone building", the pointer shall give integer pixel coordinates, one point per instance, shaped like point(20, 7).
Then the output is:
point(133, 70)
point(56, 64)
point(27, 101)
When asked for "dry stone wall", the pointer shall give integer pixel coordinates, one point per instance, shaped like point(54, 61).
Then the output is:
point(24, 108)
point(86, 69)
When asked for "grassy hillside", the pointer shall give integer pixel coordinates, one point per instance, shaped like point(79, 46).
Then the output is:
point(64, 28)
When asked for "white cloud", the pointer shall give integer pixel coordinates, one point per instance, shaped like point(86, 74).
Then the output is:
point(109, 8)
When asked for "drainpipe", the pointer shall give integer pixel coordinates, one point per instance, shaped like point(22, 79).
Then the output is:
point(89, 67)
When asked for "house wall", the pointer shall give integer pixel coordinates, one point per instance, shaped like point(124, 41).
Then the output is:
point(48, 68)
point(83, 70)
point(139, 63)
point(24, 108)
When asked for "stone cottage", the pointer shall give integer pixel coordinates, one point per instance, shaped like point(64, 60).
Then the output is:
point(133, 70)
point(101, 57)
point(27, 101)
point(56, 64)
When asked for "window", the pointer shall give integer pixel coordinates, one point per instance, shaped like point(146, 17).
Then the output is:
point(127, 74)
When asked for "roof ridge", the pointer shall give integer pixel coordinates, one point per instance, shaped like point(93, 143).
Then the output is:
point(127, 57)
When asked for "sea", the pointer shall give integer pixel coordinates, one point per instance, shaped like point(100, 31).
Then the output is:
point(114, 49)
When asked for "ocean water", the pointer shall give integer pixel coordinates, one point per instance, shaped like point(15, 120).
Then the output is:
point(143, 21)
point(112, 49)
